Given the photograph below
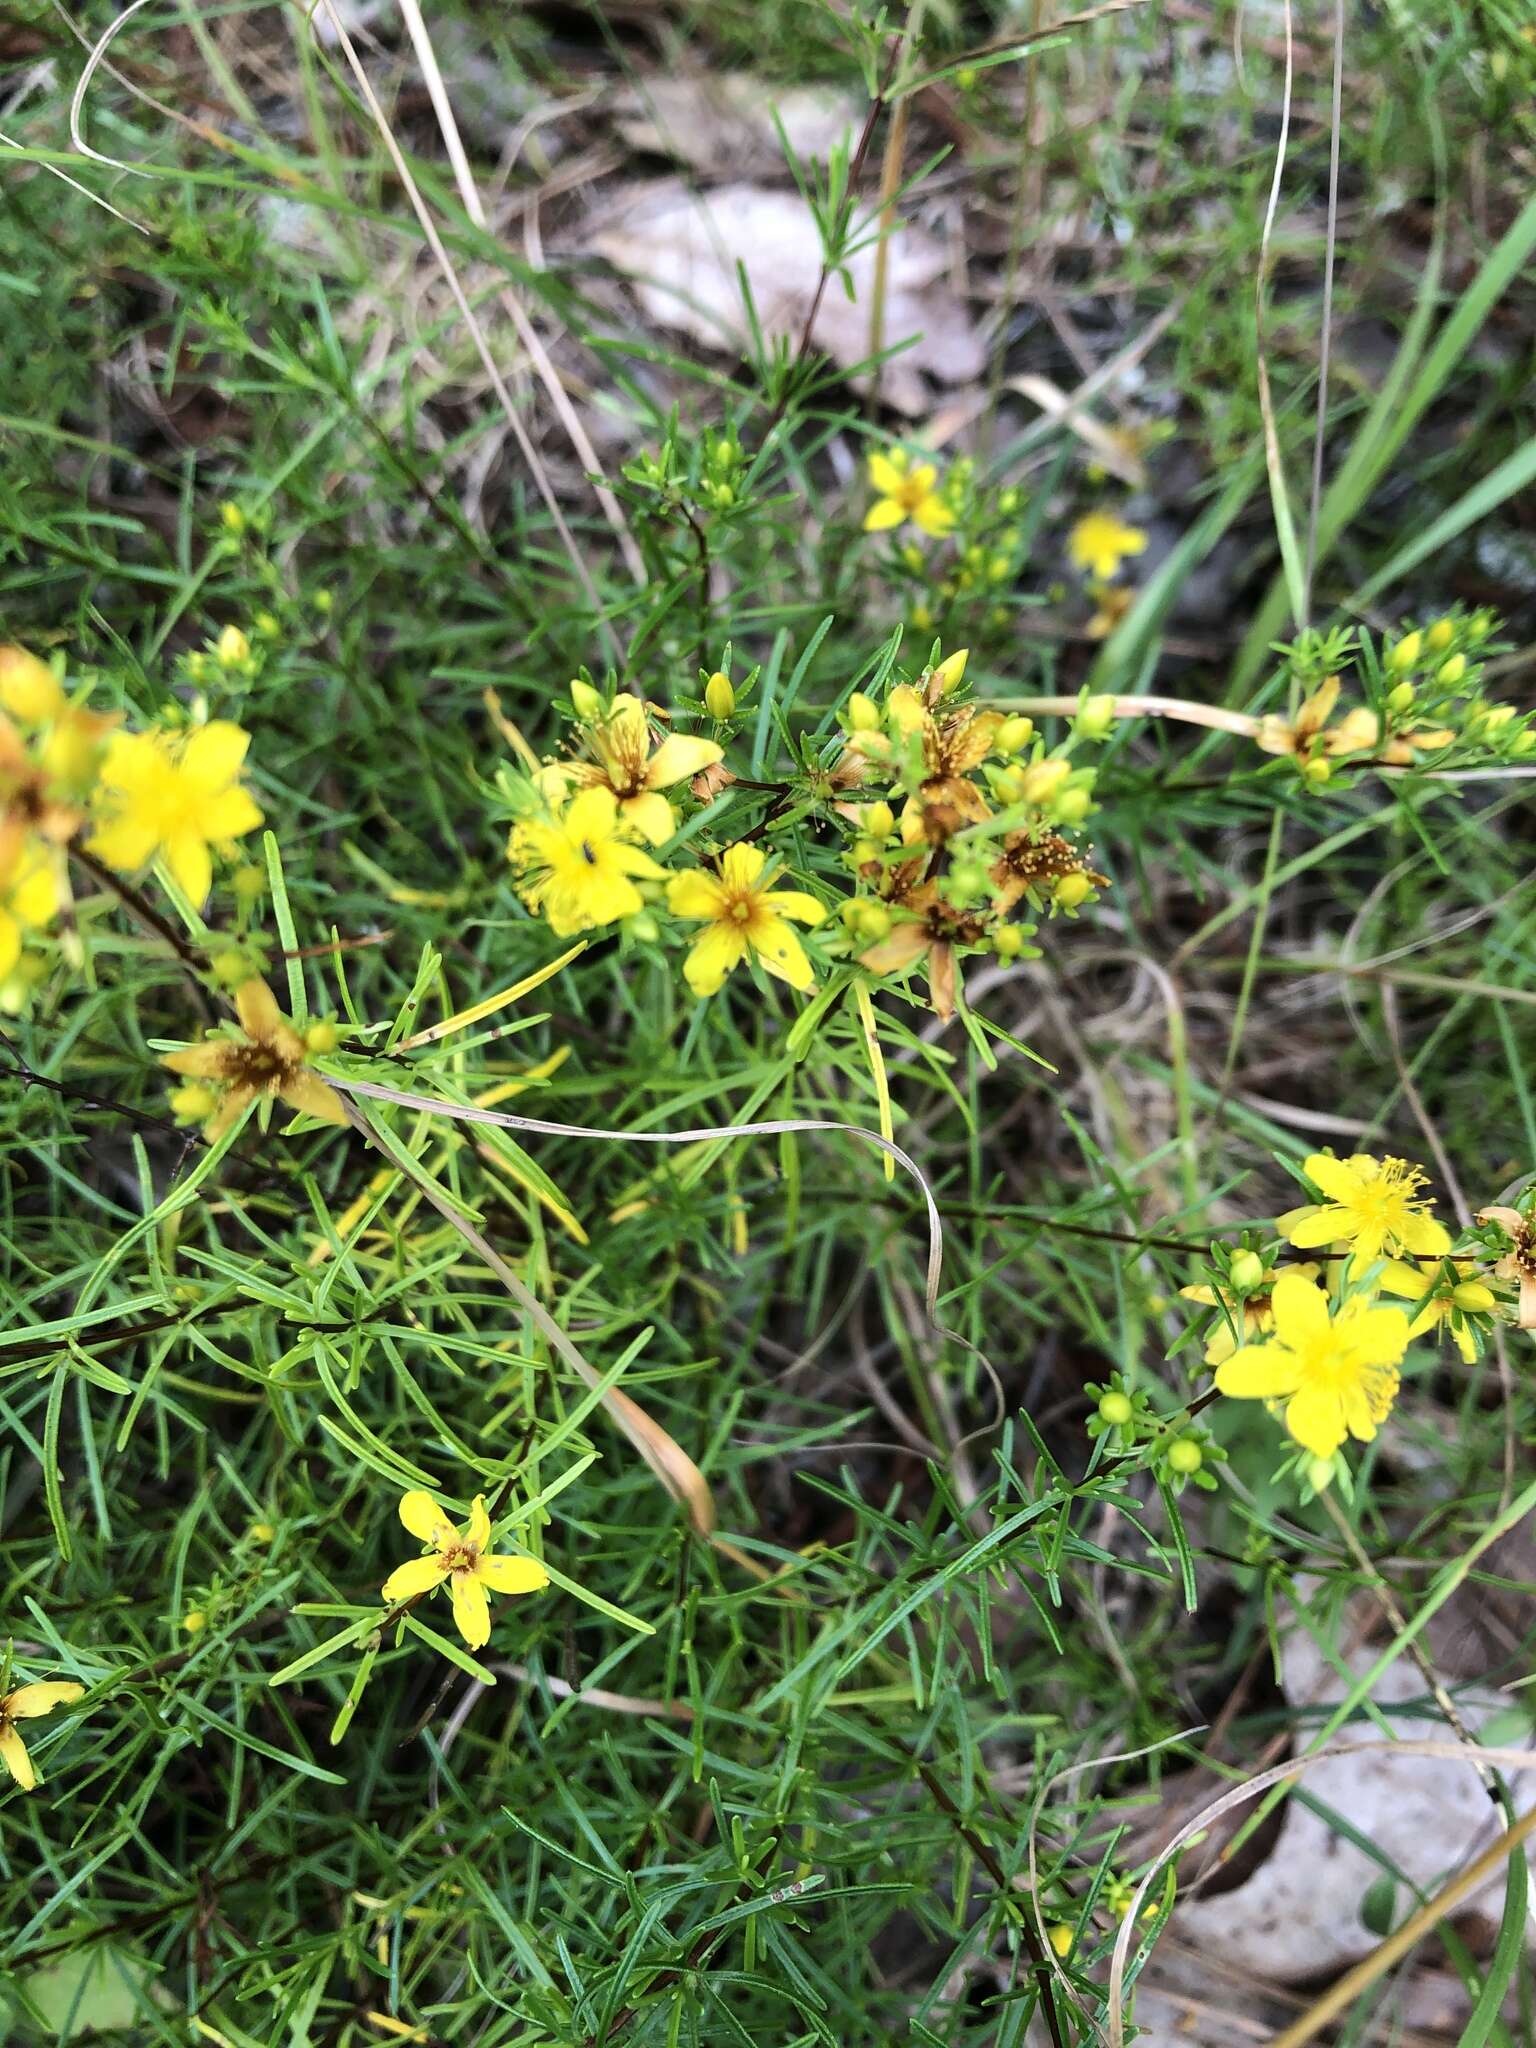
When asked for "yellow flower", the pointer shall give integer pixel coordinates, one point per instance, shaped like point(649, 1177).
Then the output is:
point(743, 916)
point(624, 765)
point(176, 796)
point(1371, 1205)
point(1441, 1298)
point(1257, 1313)
point(576, 869)
point(1356, 732)
point(1099, 543)
point(460, 1557)
point(1337, 1374)
point(29, 896)
point(268, 1060)
point(26, 1703)
point(906, 493)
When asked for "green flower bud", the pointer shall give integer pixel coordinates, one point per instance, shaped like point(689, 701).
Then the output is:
point(719, 697)
point(1246, 1271)
point(1115, 1408)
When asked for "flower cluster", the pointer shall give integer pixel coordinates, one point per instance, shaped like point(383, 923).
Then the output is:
point(1317, 1342)
point(1423, 708)
point(69, 775)
point(579, 845)
point(957, 820)
point(961, 817)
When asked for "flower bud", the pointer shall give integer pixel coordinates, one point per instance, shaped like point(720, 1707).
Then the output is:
point(1401, 695)
point(261, 1532)
point(586, 701)
point(866, 850)
point(1096, 719)
point(1450, 672)
point(1246, 1272)
point(232, 518)
point(1071, 891)
point(1316, 771)
point(249, 881)
point(234, 650)
point(1059, 1934)
point(1406, 652)
point(1042, 780)
point(1008, 942)
point(1440, 635)
point(195, 1622)
point(1497, 716)
point(1473, 1295)
point(863, 713)
point(873, 920)
point(904, 710)
point(321, 1036)
point(1523, 742)
point(719, 697)
point(230, 967)
point(879, 820)
point(1115, 1408)
point(1185, 1455)
point(1013, 734)
point(1072, 806)
point(947, 676)
point(1319, 1474)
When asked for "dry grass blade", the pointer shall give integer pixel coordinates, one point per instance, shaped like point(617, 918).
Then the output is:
point(451, 278)
point(527, 333)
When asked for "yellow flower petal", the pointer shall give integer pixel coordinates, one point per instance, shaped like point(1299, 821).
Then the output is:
point(793, 903)
point(696, 893)
point(213, 756)
point(10, 943)
point(712, 956)
point(778, 946)
point(471, 1610)
point(308, 1094)
point(1377, 1336)
point(1259, 1372)
point(513, 1574)
point(205, 1062)
point(1316, 1227)
point(1423, 1236)
point(1300, 1310)
point(887, 472)
point(229, 815)
point(125, 844)
point(13, 1754)
point(479, 1530)
point(884, 514)
point(1398, 1277)
point(187, 858)
point(256, 1007)
point(426, 1519)
point(679, 757)
point(1340, 1180)
point(1316, 1420)
point(933, 516)
point(28, 1701)
point(591, 814)
point(741, 865)
point(419, 1576)
point(650, 815)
